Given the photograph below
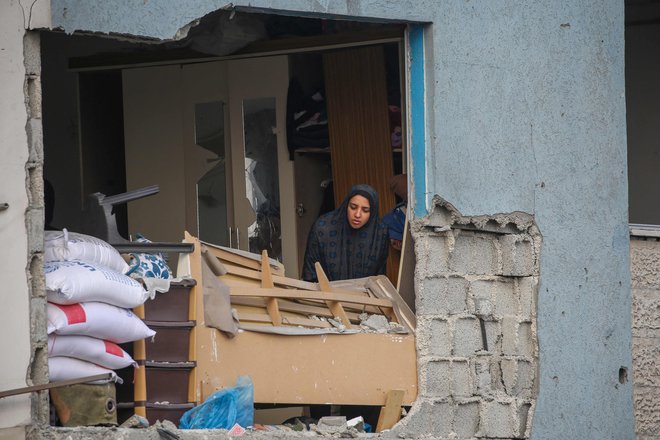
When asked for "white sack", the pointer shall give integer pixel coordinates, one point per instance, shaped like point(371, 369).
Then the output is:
point(70, 282)
point(98, 320)
point(65, 246)
point(66, 368)
point(97, 351)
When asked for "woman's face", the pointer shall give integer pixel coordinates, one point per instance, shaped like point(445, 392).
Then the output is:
point(358, 212)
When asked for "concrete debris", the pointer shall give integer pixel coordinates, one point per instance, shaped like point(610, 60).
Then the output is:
point(378, 323)
point(135, 421)
point(336, 322)
point(330, 425)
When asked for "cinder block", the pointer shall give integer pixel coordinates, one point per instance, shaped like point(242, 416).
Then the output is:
point(497, 420)
point(439, 338)
point(494, 336)
point(525, 340)
point(509, 371)
point(509, 335)
point(524, 419)
point(525, 380)
point(467, 337)
point(474, 253)
point(466, 420)
point(442, 296)
point(645, 303)
point(527, 288)
point(482, 374)
point(37, 278)
point(647, 411)
point(38, 321)
point(481, 292)
point(518, 257)
point(34, 218)
point(505, 298)
point(462, 383)
point(428, 417)
point(35, 140)
point(435, 379)
point(432, 255)
point(646, 353)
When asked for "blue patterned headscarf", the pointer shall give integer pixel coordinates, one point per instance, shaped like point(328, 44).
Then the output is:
point(344, 252)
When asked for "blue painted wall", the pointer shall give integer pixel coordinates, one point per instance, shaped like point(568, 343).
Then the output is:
point(525, 112)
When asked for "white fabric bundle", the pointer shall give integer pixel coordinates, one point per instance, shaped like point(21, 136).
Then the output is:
point(70, 282)
point(66, 368)
point(66, 246)
point(97, 351)
point(98, 320)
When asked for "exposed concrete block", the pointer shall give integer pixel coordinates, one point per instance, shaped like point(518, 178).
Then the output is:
point(36, 275)
point(427, 418)
point(518, 257)
point(38, 321)
point(505, 297)
point(497, 420)
point(35, 138)
point(509, 335)
point(32, 53)
point(527, 288)
point(466, 419)
point(467, 337)
point(494, 336)
point(462, 383)
point(518, 377)
point(525, 340)
point(442, 296)
point(482, 375)
point(435, 379)
point(432, 255)
point(439, 338)
point(34, 218)
point(524, 418)
point(482, 297)
point(474, 254)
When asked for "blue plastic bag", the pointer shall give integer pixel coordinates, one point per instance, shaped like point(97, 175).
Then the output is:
point(223, 409)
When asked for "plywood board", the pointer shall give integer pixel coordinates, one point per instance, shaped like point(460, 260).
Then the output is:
point(355, 369)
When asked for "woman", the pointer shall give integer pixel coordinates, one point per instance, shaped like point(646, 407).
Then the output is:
point(349, 242)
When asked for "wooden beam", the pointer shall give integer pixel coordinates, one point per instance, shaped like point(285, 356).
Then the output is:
point(241, 260)
point(305, 294)
point(391, 412)
point(290, 320)
point(267, 283)
point(290, 306)
point(334, 305)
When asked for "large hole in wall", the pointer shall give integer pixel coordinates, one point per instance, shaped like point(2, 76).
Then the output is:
point(113, 113)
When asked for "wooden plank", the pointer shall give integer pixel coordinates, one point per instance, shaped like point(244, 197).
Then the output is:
point(334, 306)
point(242, 260)
point(267, 283)
point(390, 414)
point(406, 279)
point(289, 306)
point(382, 288)
point(355, 369)
point(289, 320)
point(305, 294)
point(195, 309)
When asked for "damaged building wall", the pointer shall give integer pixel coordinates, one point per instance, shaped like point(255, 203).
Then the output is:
point(21, 218)
point(645, 274)
point(476, 283)
point(525, 112)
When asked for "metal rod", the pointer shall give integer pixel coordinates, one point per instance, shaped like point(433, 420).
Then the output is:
point(61, 383)
point(130, 195)
point(150, 248)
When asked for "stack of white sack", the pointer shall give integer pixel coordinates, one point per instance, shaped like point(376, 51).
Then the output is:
point(89, 302)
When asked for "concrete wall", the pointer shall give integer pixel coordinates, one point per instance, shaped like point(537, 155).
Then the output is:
point(645, 271)
point(525, 113)
point(21, 225)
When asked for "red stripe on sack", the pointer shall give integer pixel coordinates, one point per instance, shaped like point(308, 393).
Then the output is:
point(75, 314)
point(112, 348)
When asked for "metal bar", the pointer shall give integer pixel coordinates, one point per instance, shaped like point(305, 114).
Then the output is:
point(61, 383)
point(130, 195)
point(4, 206)
point(151, 248)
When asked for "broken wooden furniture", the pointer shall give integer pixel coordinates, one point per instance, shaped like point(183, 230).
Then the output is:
point(325, 368)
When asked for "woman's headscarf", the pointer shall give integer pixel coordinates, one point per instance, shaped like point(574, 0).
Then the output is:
point(344, 252)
